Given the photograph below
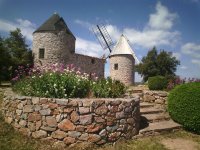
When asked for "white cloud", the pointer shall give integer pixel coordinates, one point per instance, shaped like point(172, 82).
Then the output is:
point(196, 61)
point(27, 28)
point(83, 23)
point(88, 47)
point(162, 19)
point(157, 31)
point(183, 67)
point(191, 49)
point(177, 55)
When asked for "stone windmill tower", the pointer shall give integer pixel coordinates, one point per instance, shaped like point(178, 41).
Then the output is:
point(53, 42)
point(122, 62)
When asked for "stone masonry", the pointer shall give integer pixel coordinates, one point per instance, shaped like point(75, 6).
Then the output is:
point(58, 43)
point(125, 72)
point(157, 97)
point(68, 121)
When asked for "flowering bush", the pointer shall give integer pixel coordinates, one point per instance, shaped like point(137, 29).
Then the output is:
point(60, 81)
point(55, 81)
point(108, 88)
point(177, 81)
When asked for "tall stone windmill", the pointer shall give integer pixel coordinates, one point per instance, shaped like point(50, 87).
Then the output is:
point(122, 57)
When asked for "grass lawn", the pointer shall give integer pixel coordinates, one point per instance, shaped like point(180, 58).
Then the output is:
point(13, 140)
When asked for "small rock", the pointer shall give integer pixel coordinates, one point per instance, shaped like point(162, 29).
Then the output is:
point(102, 110)
point(34, 117)
point(62, 101)
point(99, 119)
point(47, 128)
point(53, 105)
point(120, 115)
point(18, 112)
point(112, 128)
point(31, 126)
point(114, 136)
point(39, 134)
point(66, 125)
point(8, 120)
point(84, 137)
point(20, 106)
point(59, 134)
point(103, 133)
point(130, 121)
point(72, 103)
point(80, 128)
point(73, 134)
point(85, 119)
point(28, 108)
point(69, 140)
point(68, 110)
point(38, 124)
point(74, 117)
point(35, 100)
point(94, 138)
point(51, 121)
point(84, 110)
point(115, 102)
point(43, 100)
point(93, 128)
point(22, 123)
point(37, 107)
point(45, 112)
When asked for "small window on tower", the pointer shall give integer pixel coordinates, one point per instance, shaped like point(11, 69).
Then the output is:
point(93, 61)
point(41, 53)
point(116, 66)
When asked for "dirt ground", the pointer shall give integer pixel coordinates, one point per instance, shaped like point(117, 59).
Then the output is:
point(180, 144)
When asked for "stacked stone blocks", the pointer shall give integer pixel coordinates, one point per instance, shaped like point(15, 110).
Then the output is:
point(73, 120)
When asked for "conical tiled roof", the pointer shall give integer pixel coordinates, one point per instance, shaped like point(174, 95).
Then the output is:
point(123, 47)
point(54, 23)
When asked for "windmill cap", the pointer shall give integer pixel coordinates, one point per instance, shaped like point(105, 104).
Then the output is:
point(122, 47)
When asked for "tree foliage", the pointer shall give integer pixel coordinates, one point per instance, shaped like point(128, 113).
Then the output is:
point(13, 52)
point(163, 64)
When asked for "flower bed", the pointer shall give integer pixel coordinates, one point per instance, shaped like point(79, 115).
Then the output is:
point(73, 120)
point(64, 81)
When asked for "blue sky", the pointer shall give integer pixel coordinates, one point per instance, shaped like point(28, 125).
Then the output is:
point(172, 25)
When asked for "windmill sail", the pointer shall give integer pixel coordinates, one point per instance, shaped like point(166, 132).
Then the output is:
point(103, 36)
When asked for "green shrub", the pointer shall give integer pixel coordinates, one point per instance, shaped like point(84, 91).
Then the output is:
point(184, 105)
point(108, 88)
point(157, 83)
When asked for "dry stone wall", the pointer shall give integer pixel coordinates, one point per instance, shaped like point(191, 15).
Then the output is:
point(157, 97)
point(73, 120)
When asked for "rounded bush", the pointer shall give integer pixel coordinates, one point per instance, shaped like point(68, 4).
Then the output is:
point(184, 105)
point(157, 83)
point(108, 88)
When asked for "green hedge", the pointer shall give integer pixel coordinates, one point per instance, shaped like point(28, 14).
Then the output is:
point(108, 88)
point(157, 83)
point(184, 105)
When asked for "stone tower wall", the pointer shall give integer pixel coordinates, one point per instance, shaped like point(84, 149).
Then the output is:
point(125, 72)
point(58, 47)
point(88, 64)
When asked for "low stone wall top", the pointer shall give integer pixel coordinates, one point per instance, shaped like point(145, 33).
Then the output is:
point(73, 120)
point(158, 97)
